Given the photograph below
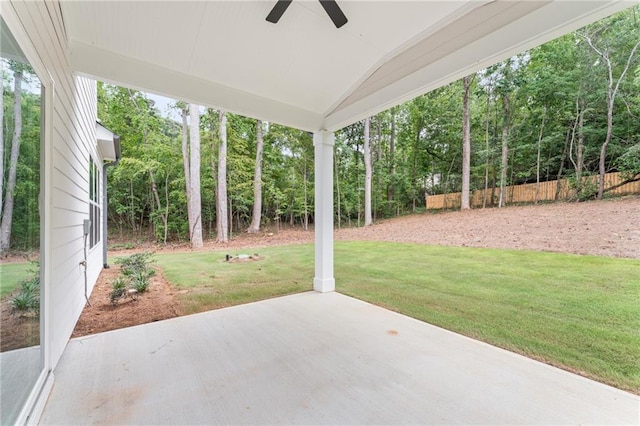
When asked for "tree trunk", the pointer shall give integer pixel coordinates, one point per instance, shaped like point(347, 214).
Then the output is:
point(185, 165)
point(194, 176)
point(580, 152)
point(306, 202)
point(612, 91)
point(214, 157)
point(392, 151)
point(257, 182)
point(487, 156)
point(602, 169)
point(466, 145)
point(562, 161)
point(505, 152)
point(578, 128)
point(368, 173)
point(222, 218)
point(7, 212)
point(156, 197)
point(538, 157)
point(414, 171)
point(165, 217)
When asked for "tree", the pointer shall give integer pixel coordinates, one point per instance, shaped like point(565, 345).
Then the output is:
point(222, 218)
point(147, 124)
point(7, 212)
point(368, 173)
point(466, 144)
point(613, 85)
point(504, 158)
point(539, 149)
point(195, 207)
point(392, 153)
point(185, 165)
point(257, 182)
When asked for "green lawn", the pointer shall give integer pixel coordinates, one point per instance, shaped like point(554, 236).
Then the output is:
point(578, 312)
point(10, 276)
point(215, 283)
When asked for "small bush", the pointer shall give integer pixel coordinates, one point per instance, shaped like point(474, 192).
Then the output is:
point(24, 302)
point(138, 262)
point(28, 299)
point(120, 288)
point(140, 281)
point(135, 275)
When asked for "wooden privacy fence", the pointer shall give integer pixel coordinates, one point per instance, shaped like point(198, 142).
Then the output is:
point(547, 191)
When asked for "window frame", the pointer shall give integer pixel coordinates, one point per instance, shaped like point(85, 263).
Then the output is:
point(95, 204)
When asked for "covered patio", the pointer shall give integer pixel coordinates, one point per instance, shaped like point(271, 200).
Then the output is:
point(310, 358)
point(315, 358)
point(305, 69)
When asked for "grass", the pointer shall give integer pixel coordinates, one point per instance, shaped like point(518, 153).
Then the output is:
point(576, 312)
point(215, 283)
point(10, 276)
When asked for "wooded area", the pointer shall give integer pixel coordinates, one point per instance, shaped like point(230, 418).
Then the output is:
point(19, 157)
point(567, 109)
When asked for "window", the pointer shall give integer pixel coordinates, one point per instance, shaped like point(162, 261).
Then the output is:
point(94, 203)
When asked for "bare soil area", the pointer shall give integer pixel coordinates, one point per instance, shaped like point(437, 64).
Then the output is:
point(157, 303)
point(602, 228)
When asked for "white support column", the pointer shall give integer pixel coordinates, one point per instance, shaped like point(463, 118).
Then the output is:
point(324, 280)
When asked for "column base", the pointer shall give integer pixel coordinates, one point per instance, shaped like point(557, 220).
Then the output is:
point(325, 285)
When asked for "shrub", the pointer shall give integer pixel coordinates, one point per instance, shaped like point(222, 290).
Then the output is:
point(120, 289)
point(140, 281)
point(28, 299)
point(24, 301)
point(136, 263)
point(135, 275)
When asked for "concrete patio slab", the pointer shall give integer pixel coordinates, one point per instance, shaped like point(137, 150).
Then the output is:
point(315, 358)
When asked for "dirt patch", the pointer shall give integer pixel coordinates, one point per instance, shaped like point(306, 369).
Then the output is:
point(603, 228)
point(158, 303)
point(17, 330)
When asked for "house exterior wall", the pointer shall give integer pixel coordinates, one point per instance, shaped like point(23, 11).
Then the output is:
point(71, 142)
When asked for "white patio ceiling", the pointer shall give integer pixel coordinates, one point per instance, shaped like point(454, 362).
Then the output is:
point(303, 72)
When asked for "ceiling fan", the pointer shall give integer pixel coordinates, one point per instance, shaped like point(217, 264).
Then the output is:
point(330, 6)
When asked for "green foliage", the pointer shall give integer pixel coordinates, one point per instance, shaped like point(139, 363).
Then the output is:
point(587, 189)
point(137, 264)
point(135, 275)
point(629, 162)
point(28, 298)
point(140, 281)
point(25, 228)
point(120, 286)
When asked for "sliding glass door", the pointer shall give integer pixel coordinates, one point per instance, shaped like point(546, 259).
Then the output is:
point(21, 295)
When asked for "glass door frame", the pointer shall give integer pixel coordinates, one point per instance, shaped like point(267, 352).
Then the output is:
point(34, 404)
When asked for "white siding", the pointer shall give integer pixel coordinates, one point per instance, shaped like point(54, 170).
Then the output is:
point(74, 141)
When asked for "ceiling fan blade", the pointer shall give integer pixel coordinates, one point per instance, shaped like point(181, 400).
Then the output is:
point(334, 12)
point(277, 11)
